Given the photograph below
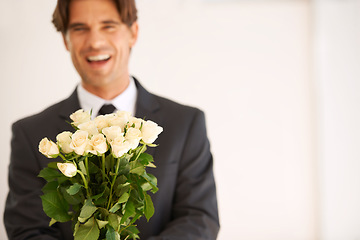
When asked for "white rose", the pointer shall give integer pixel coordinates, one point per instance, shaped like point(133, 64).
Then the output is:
point(63, 140)
point(79, 142)
point(150, 131)
point(133, 136)
point(89, 149)
point(98, 142)
point(68, 169)
point(119, 119)
point(112, 132)
point(48, 148)
point(135, 122)
point(123, 114)
point(101, 122)
point(90, 127)
point(119, 146)
point(79, 117)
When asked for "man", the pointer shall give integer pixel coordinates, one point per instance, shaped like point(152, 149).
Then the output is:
point(99, 35)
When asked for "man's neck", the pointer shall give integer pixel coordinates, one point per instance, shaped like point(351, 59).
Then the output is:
point(107, 92)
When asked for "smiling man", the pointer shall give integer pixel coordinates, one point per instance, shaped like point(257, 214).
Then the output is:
point(99, 44)
point(99, 35)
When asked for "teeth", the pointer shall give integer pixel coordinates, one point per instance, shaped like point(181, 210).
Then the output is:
point(99, 57)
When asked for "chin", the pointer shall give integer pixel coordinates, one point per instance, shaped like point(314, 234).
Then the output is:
point(95, 82)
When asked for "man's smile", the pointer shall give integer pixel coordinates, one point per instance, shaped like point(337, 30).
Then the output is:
point(98, 58)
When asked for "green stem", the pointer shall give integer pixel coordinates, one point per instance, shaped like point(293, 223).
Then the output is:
point(113, 182)
point(85, 182)
point(87, 167)
point(141, 151)
point(62, 157)
point(103, 166)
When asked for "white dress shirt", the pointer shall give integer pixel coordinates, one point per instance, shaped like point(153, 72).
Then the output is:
point(126, 101)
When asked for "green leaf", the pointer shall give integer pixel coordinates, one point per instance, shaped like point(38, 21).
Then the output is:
point(117, 206)
point(111, 234)
point(109, 162)
point(96, 197)
point(136, 217)
point(151, 165)
point(74, 189)
point(124, 166)
point(93, 168)
point(146, 186)
point(88, 231)
point(82, 167)
point(145, 159)
point(52, 221)
point(140, 150)
point(71, 199)
point(103, 198)
point(152, 145)
point(53, 165)
point(120, 190)
point(87, 210)
point(138, 189)
point(120, 180)
point(101, 223)
point(114, 220)
point(49, 174)
point(123, 198)
point(152, 180)
point(131, 231)
point(104, 213)
point(129, 211)
point(149, 207)
point(138, 170)
point(50, 187)
point(63, 179)
point(55, 207)
point(76, 227)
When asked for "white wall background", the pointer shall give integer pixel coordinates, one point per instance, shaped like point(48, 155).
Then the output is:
point(248, 65)
point(337, 58)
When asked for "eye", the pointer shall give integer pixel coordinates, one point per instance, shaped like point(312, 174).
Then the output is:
point(79, 29)
point(109, 27)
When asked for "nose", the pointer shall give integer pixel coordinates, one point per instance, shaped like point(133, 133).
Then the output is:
point(95, 40)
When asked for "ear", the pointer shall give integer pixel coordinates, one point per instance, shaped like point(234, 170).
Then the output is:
point(134, 29)
point(64, 36)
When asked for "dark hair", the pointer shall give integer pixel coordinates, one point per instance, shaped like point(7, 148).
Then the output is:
point(126, 8)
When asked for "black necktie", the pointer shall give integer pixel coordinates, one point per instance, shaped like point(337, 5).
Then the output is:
point(106, 109)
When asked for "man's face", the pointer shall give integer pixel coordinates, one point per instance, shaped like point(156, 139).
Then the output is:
point(99, 43)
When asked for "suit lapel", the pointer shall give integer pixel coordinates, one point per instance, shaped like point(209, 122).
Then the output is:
point(69, 106)
point(148, 107)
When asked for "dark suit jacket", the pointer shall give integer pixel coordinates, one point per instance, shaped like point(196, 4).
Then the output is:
point(185, 205)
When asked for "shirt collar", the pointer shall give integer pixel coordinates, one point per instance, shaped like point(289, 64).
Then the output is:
point(125, 101)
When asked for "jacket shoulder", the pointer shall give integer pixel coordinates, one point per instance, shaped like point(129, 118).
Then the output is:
point(40, 118)
point(177, 108)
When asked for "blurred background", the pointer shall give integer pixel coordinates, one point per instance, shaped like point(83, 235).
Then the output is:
point(277, 79)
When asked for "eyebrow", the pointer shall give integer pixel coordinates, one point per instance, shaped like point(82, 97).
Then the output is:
point(111, 22)
point(74, 25)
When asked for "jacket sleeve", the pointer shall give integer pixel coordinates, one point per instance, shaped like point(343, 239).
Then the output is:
point(23, 216)
point(195, 212)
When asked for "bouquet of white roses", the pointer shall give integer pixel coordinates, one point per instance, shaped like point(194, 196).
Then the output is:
point(102, 183)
